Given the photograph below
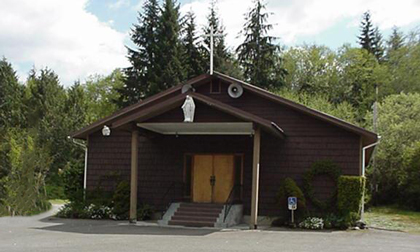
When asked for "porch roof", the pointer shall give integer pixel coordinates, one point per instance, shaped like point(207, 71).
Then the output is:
point(213, 128)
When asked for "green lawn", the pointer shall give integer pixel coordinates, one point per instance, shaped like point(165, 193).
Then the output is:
point(393, 218)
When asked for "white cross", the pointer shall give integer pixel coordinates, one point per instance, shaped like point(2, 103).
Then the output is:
point(211, 35)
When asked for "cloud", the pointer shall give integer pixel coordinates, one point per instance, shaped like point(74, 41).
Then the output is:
point(119, 4)
point(60, 35)
point(293, 19)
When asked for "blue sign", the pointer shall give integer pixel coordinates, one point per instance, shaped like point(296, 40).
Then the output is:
point(292, 203)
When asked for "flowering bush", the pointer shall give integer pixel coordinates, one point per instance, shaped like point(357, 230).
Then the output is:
point(312, 223)
point(99, 212)
point(92, 211)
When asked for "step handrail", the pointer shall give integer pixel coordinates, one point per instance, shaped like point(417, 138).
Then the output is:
point(230, 200)
point(170, 187)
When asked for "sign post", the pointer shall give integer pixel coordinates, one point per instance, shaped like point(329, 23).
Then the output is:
point(292, 204)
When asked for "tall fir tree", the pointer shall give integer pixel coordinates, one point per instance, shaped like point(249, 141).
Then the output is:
point(378, 47)
point(193, 58)
point(367, 36)
point(141, 78)
point(11, 97)
point(11, 116)
point(258, 55)
point(45, 96)
point(169, 68)
point(395, 41)
point(370, 38)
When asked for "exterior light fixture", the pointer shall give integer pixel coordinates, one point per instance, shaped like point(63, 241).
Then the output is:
point(106, 131)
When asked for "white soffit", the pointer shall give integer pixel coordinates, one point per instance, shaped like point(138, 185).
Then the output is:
point(184, 128)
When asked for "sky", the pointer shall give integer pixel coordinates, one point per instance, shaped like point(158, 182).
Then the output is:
point(80, 38)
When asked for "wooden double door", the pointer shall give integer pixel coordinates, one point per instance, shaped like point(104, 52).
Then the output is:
point(213, 177)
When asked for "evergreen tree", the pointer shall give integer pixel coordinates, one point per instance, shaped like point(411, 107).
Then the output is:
point(170, 69)
point(396, 40)
point(257, 54)
point(45, 95)
point(11, 115)
point(378, 48)
point(47, 118)
point(194, 62)
point(11, 95)
point(367, 36)
point(141, 78)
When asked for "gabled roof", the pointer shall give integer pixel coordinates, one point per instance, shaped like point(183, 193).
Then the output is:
point(143, 115)
point(93, 127)
point(368, 137)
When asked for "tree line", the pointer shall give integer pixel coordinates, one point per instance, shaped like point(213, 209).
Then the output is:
point(36, 116)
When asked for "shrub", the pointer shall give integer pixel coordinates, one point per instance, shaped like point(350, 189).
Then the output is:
point(121, 200)
point(321, 168)
point(350, 192)
point(72, 176)
point(410, 185)
point(99, 212)
point(76, 210)
point(22, 186)
point(99, 206)
point(289, 188)
point(81, 211)
point(333, 220)
point(145, 212)
point(312, 223)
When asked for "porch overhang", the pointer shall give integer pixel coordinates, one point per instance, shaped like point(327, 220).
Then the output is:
point(219, 128)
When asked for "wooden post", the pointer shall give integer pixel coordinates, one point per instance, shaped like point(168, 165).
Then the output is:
point(255, 179)
point(134, 172)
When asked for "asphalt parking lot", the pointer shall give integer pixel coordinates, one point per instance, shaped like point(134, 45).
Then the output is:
point(46, 233)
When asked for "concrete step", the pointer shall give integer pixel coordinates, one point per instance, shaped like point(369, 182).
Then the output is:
point(204, 205)
point(193, 218)
point(191, 223)
point(199, 209)
point(193, 213)
point(196, 215)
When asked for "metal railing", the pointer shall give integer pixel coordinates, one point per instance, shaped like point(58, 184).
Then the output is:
point(170, 188)
point(231, 200)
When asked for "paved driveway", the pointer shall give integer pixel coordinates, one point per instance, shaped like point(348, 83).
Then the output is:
point(44, 233)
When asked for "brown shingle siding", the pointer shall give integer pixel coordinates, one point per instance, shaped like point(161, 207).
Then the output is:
point(161, 158)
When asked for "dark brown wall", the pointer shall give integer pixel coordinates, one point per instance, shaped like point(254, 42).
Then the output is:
point(161, 162)
point(161, 159)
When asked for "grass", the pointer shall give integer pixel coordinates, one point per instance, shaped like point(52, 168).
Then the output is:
point(393, 218)
point(58, 201)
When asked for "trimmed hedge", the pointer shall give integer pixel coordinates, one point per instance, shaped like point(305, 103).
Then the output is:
point(318, 168)
point(350, 192)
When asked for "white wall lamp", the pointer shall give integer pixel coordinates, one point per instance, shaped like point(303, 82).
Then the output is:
point(106, 131)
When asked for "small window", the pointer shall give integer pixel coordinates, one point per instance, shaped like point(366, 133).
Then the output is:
point(215, 87)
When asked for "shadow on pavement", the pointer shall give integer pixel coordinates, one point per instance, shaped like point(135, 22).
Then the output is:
point(86, 226)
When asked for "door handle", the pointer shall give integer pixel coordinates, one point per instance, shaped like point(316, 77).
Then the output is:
point(212, 180)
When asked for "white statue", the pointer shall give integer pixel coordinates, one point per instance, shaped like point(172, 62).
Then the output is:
point(189, 108)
